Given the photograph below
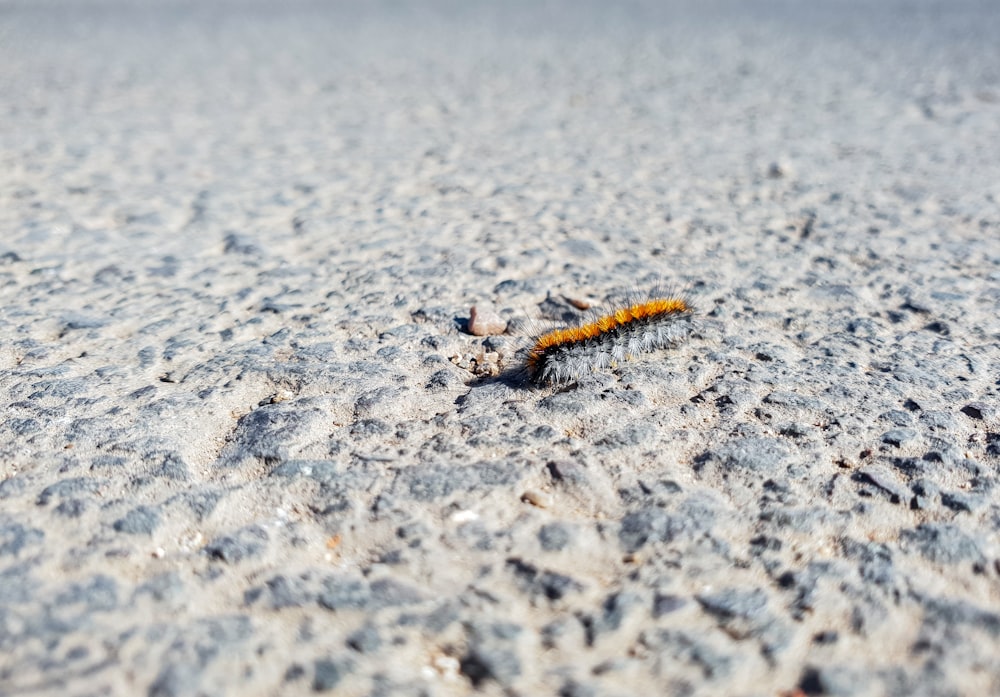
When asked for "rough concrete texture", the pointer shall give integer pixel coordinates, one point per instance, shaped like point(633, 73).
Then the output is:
point(249, 446)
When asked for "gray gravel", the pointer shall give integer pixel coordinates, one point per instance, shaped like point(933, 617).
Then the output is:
point(249, 446)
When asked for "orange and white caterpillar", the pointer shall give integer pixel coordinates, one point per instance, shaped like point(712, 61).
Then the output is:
point(566, 355)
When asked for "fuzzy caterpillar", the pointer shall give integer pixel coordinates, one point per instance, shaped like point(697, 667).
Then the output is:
point(566, 355)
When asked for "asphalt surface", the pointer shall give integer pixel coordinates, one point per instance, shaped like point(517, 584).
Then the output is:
point(250, 446)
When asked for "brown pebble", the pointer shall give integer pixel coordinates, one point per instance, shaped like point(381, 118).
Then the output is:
point(485, 322)
point(578, 303)
point(537, 498)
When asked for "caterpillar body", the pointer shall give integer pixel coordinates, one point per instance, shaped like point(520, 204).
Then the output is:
point(566, 355)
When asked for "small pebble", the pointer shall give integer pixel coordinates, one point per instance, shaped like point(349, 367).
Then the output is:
point(484, 321)
point(465, 516)
point(537, 498)
point(447, 666)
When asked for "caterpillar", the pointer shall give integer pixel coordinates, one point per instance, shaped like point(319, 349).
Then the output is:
point(565, 355)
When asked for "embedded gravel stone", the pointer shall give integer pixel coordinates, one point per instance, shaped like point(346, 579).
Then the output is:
point(142, 520)
point(271, 432)
point(15, 537)
point(942, 543)
point(746, 456)
point(541, 582)
point(328, 673)
point(244, 544)
point(554, 537)
point(492, 654)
